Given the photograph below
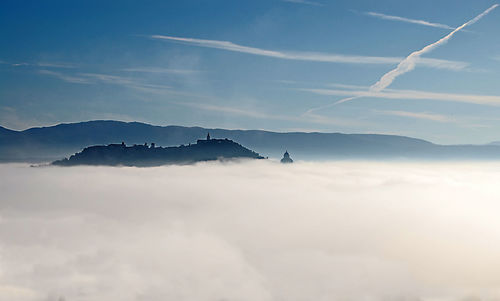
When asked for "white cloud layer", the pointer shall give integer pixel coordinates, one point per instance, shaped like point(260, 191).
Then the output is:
point(312, 56)
point(251, 231)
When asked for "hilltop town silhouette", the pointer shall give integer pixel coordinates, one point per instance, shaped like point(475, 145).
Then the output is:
point(150, 155)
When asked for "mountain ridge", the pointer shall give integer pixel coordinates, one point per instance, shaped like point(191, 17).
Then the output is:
point(58, 141)
point(100, 121)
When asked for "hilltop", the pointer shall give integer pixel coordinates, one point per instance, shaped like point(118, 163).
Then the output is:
point(144, 155)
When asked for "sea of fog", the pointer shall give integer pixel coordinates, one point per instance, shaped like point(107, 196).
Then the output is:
point(251, 231)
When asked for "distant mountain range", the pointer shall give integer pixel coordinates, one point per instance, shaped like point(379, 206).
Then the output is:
point(56, 142)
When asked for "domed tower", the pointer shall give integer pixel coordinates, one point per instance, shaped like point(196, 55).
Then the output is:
point(286, 158)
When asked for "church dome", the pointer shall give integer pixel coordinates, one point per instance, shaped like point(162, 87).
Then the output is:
point(286, 158)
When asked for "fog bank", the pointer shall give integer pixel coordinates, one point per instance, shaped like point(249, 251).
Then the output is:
point(251, 231)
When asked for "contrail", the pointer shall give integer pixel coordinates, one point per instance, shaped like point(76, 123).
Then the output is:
point(310, 111)
point(407, 20)
point(308, 56)
point(408, 64)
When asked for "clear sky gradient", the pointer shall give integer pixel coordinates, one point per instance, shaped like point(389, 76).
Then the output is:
point(271, 64)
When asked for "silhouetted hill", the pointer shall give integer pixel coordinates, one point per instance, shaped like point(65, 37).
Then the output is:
point(55, 142)
point(4, 131)
point(144, 155)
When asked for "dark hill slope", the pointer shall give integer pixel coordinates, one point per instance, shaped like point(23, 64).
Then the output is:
point(143, 155)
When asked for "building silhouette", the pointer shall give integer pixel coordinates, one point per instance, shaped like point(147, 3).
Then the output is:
point(286, 158)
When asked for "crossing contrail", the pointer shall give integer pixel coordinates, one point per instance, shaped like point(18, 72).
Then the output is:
point(408, 64)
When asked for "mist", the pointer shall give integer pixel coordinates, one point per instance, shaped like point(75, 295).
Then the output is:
point(251, 231)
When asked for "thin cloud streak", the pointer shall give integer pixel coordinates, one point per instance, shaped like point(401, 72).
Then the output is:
point(65, 77)
point(55, 65)
point(123, 81)
point(311, 56)
point(40, 64)
point(303, 2)
point(348, 87)
point(127, 82)
point(93, 78)
point(133, 83)
point(161, 70)
point(310, 118)
point(417, 115)
point(492, 100)
point(407, 20)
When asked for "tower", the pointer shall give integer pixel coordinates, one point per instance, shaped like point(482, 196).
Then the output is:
point(208, 136)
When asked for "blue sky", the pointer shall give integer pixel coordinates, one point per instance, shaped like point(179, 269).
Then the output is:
point(274, 64)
